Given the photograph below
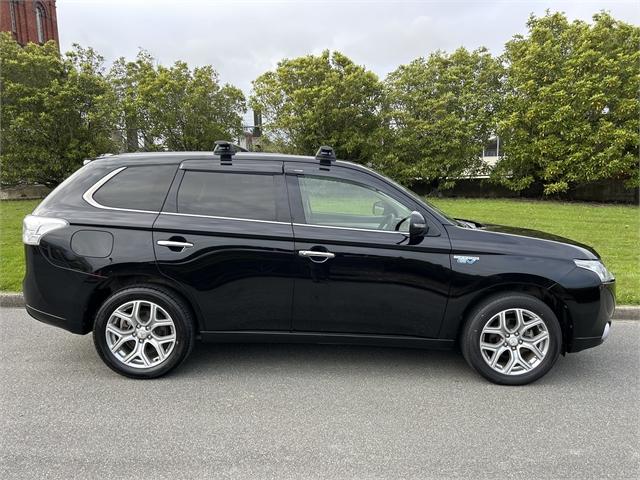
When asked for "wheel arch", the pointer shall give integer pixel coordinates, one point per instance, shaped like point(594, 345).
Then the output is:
point(527, 287)
point(118, 282)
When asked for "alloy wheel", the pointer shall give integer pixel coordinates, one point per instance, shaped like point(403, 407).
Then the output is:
point(140, 334)
point(514, 341)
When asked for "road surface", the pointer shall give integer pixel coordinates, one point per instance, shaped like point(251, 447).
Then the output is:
point(306, 412)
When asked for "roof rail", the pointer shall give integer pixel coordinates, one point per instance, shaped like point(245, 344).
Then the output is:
point(89, 160)
point(325, 155)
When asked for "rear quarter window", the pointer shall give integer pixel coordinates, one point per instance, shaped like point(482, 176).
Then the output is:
point(137, 188)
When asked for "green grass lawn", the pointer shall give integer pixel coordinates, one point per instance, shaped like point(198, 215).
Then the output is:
point(614, 231)
point(11, 249)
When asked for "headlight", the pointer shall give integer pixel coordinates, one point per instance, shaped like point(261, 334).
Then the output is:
point(35, 227)
point(597, 267)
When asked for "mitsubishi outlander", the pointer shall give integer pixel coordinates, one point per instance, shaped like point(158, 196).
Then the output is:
point(151, 251)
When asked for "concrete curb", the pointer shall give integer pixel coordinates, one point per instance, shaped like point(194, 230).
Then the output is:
point(10, 299)
point(623, 312)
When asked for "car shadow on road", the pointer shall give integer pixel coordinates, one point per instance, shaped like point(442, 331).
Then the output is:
point(209, 359)
point(296, 358)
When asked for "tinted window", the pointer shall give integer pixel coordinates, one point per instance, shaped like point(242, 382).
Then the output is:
point(340, 203)
point(137, 188)
point(236, 195)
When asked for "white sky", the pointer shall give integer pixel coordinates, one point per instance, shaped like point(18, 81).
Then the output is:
point(244, 38)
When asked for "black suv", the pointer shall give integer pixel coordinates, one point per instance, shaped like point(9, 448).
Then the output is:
point(153, 250)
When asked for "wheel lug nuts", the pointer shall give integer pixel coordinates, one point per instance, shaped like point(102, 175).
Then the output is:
point(146, 328)
point(507, 335)
point(520, 341)
point(516, 334)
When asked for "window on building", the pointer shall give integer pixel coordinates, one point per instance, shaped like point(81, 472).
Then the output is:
point(493, 148)
point(12, 12)
point(231, 195)
point(40, 16)
point(137, 188)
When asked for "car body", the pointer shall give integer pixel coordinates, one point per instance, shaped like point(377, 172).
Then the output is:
point(282, 248)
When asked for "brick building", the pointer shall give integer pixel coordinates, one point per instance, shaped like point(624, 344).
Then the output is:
point(29, 20)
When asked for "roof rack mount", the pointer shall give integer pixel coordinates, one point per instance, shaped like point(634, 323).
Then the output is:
point(325, 155)
point(227, 150)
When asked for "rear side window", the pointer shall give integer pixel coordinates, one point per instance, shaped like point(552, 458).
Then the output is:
point(235, 195)
point(137, 188)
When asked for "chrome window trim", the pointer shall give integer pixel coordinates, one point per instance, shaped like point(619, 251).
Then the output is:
point(88, 195)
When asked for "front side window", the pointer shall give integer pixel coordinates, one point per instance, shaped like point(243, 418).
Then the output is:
point(340, 203)
point(137, 188)
point(229, 195)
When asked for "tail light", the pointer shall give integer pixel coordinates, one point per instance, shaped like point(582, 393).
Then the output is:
point(35, 227)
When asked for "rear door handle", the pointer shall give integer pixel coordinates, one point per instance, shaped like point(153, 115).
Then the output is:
point(174, 244)
point(315, 256)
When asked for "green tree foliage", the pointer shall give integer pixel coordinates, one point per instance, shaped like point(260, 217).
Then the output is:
point(56, 111)
point(571, 113)
point(174, 108)
point(320, 100)
point(441, 112)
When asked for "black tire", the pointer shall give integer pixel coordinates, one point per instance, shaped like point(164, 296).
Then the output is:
point(484, 312)
point(172, 304)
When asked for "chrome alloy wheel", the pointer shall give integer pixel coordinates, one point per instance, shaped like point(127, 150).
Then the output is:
point(140, 334)
point(514, 341)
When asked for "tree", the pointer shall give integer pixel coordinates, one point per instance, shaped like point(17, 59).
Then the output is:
point(571, 112)
point(441, 113)
point(175, 108)
point(320, 100)
point(56, 111)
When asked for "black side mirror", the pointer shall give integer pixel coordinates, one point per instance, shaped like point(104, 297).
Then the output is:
point(417, 226)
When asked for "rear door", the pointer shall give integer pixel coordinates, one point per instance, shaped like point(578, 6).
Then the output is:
point(354, 272)
point(225, 235)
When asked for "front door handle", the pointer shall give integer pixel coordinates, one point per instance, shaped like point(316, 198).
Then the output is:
point(315, 256)
point(174, 244)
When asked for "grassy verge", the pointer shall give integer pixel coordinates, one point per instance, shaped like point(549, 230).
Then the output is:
point(613, 230)
point(11, 250)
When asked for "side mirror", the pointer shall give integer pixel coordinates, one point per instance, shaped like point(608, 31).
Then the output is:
point(379, 208)
point(417, 226)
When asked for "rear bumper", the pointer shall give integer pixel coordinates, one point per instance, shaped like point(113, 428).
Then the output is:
point(54, 295)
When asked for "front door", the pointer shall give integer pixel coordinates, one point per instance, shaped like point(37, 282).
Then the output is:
point(356, 271)
point(225, 236)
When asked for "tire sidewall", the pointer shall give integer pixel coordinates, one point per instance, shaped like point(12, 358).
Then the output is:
point(184, 331)
point(478, 320)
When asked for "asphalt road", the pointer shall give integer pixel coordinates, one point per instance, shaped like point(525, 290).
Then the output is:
point(305, 412)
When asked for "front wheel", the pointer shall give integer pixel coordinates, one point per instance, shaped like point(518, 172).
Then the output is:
point(512, 339)
point(143, 332)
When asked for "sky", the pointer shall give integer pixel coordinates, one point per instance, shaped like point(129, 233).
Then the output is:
point(244, 38)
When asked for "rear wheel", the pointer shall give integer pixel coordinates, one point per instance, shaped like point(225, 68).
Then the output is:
point(512, 339)
point(143, 332)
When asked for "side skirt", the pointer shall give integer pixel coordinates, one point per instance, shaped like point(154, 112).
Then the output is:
point(326, 338)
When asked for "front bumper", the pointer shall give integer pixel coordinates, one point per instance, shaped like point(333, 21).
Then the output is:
point(590, 309)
